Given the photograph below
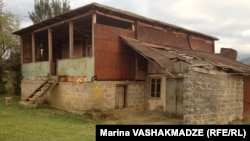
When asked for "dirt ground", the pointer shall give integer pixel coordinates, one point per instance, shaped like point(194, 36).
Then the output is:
point(126, 117)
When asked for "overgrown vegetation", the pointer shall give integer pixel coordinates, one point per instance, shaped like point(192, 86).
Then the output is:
point(10, 69)
point(43, 124)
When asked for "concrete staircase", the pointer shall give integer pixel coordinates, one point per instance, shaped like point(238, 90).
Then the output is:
point(32, 100)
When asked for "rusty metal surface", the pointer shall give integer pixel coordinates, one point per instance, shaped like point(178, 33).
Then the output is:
point(149, 34)
point(198, 44)
point(112, 60)
point(246, 99)
point(164, 55)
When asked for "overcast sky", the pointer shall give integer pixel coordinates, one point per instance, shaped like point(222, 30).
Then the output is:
point(228, 20)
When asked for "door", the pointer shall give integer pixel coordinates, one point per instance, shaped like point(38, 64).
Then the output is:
point(174, 97)
point(120, 97)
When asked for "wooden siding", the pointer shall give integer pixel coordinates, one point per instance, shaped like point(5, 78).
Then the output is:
point(113, 60)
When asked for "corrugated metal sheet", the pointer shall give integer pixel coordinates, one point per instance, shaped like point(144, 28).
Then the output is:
point(165, 56)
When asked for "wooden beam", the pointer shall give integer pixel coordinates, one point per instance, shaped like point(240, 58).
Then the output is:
point(50, 49)
point(62, 22)
point(133, 27)
point(114, 17)
point(21, 49)
point(33, 44)
point(71, 39)
point(93, 33)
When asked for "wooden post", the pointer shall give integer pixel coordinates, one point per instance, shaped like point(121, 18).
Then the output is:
point(71, 39)
point(93, 33)
point(133, 27)
point(50, 50)
point(33, 44)
point(21, 50)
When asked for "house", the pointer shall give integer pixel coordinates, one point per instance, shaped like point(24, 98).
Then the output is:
point(99, 58)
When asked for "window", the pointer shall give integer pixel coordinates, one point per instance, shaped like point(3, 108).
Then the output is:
point(155, 87)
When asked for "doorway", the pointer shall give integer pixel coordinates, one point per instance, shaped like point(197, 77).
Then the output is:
point(174, 97)
point(121, 97)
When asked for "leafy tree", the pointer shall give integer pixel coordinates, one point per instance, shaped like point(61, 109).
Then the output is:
point(9, 46)
point(9, 43)
point(45, 9)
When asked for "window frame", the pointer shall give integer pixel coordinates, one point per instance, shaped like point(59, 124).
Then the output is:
point(155, 87)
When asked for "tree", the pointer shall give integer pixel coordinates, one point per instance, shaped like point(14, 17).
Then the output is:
point(9, 48)
point(45, 9)
point(9, 43)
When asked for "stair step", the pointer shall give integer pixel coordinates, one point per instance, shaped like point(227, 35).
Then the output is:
point(42, 89)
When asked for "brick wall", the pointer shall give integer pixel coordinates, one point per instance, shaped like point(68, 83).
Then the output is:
point(212, 98)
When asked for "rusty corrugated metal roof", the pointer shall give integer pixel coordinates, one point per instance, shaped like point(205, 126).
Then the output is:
point(164, 56)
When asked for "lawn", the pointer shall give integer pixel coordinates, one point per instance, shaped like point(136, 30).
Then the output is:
point(42, 124)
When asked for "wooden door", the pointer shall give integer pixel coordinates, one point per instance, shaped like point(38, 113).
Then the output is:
point(120, 98)
point(174, 97)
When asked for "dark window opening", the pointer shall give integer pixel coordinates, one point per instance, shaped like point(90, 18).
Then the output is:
point(114, 22)
point(155, 87)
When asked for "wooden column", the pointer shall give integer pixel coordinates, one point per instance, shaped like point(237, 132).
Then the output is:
point(50, 49)
point(71, 39)
point(21, 50)
point(33, 44)
point(93, 33)
point(133, 27)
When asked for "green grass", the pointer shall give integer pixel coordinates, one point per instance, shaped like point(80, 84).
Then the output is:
point(42, 124)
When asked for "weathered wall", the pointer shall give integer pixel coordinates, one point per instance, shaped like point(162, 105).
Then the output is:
point(212, 98)
point(246, 110)
point(174, 38)
point(35, 71)
point(113, 60)
point(97, 95)
point(28, 86)
point(76, 67)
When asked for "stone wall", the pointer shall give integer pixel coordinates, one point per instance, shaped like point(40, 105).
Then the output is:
point(90, 96)
point(28, 86)
point(212, 98)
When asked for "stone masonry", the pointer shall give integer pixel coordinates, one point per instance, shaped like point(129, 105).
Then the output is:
point(89, 96)
point(212, 98)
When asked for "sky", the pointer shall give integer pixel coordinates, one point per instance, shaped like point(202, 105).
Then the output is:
point(228, 20)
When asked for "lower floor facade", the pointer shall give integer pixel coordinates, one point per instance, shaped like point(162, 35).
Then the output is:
point(197, 97)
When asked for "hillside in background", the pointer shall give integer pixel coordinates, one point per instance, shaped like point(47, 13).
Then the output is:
point(245, 60)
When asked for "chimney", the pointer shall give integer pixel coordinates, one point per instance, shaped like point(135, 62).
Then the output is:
point(229, 53)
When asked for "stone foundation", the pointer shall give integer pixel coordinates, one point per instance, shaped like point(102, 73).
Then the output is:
point(89, 96)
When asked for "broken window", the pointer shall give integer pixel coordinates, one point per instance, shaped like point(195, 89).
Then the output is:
point(155, 87)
